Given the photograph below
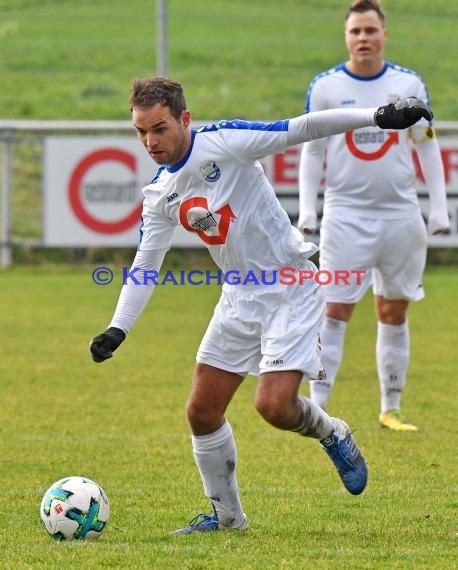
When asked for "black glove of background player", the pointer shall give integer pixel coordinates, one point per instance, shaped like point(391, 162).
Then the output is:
point(402, 114)
point(103, 345)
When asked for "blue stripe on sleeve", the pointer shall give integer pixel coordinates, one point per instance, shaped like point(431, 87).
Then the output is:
point(158, 173)
point(411, 72)
point(313, 82)
point(245, 125)
point(140, 229)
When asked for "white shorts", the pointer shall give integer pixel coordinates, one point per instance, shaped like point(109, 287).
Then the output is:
point(392, 253)
point(266, 328)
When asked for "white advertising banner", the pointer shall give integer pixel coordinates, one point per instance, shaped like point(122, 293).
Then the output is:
point(92, 190)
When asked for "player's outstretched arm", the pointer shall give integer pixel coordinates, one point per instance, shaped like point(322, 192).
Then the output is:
point(318, 124)
point(310, 173)
point(135, 293)
point(402, 114)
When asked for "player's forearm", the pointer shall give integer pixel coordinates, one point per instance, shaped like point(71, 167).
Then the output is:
point(137, 289)
point(310, 172)
point(433, 172)
point(319, 124)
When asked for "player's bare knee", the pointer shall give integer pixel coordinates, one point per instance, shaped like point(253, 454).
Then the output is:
point(203, 420)
point(391, 312)
point(273, 411)
point(340, 311)
point(196, 415)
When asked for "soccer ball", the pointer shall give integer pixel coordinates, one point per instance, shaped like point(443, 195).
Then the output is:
point(75, 508)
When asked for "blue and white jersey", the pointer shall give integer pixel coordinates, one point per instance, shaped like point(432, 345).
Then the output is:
point(219, 191)
point(369, 171)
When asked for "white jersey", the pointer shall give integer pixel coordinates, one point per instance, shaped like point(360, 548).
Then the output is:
point(219, 191)
point(369, 171)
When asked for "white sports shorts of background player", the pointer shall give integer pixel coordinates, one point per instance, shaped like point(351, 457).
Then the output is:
point(392, 253)
point(267, 328)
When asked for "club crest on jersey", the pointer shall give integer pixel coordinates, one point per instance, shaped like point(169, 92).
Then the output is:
point(210, 171)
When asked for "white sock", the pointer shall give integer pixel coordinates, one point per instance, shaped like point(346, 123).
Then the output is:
point(216, 459)
point(392, 352)
point(314, 422)
point(332, 336)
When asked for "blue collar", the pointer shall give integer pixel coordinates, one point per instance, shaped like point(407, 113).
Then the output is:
point(363, 78)
point(183, 161)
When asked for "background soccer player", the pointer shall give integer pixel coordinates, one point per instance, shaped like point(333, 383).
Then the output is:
point(371, 217)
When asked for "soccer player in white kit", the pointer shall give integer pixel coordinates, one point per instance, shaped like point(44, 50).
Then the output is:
point(210, 182)
point(371, 217)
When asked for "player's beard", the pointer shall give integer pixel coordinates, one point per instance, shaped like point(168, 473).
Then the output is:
point(162, 156)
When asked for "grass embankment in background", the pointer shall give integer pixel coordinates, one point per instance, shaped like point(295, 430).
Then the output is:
point(75, 60)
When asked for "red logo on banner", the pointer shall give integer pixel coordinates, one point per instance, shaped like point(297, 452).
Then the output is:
point(85, 217)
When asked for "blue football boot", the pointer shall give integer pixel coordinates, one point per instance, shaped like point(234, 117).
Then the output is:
point(346, 456)
point(207, 523)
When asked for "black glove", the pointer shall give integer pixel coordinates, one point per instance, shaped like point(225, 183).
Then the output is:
point(402, 114)
point(103, 345)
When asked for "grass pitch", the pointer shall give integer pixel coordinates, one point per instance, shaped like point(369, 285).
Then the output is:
point(122, 423)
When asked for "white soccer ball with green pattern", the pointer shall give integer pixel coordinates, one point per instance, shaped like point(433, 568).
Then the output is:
point(75, 508)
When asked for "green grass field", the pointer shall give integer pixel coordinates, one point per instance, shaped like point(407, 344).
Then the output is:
point(122, 423)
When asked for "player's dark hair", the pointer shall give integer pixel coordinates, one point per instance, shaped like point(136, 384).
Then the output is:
point(153, 90)
point(361, 6)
